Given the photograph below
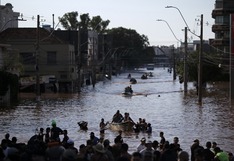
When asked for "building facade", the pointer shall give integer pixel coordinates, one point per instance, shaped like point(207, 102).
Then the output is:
point(51, 56)
point(221, 27)
point(8, 18)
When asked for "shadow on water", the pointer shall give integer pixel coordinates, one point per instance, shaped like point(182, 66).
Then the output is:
point(159, 99)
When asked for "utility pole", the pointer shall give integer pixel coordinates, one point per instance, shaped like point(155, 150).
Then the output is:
point(200, 65)
point(199, 83)
point(93, 62)
point(53, 21)
point(79, 61)
point(37, 61)
point(174, 63)
point(231, 64)
point(185, 60)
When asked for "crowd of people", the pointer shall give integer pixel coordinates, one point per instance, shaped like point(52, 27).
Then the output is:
point(47, 146)
point(140, 126)
point(143, 126)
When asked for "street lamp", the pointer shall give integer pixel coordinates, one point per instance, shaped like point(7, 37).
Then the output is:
point(183, 19)
point(2, 28)
point(199, 84)
point(169, 28)
point(180, 14)
point(174, 72)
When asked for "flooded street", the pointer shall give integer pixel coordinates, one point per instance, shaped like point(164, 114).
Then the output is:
point(159, 100)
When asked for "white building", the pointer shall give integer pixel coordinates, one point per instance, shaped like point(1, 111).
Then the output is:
point(8, 18)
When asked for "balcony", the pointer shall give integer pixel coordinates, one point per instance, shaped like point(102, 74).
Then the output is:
point(220, 42)
point(222, 11)
point(217, 27)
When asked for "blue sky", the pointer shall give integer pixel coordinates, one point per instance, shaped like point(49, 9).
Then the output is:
point(140, 15)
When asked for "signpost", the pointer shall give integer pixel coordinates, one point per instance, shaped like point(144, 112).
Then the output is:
point(231, 70)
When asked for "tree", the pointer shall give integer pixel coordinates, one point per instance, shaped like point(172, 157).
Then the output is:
point(121, 37)
point(137, 45)
point(69, 21)
point(211, 70)
point(11, 62)
point(97, 24)
point(84, 21)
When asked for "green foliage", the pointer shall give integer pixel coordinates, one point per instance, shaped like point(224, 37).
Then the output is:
point(138, 53)
point(137, 44)
point(11, 61)
point(210, 70)
point(69, 21)
point(127, 38)
point(84, 21)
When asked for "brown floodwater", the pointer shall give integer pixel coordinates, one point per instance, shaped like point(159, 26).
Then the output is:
point(159, 100)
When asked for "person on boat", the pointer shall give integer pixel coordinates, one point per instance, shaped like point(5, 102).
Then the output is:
point(136, 128)
point(149, 128)
point(144, 125)
point(139, 121)
point(128, 89)
point(133, 81)
point(118, 117)
point(144, 76)
point(150, 74)
point(127, 118)
point(102, 126)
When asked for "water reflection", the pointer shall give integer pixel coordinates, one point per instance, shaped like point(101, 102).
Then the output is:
point(158, 99)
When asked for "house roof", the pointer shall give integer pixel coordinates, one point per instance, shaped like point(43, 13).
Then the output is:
point(29, 34)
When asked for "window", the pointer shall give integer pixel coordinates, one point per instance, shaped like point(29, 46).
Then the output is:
point(51, 58)
point(222, 20)
point(27, 58)
point(219, 4)
point(63, 76)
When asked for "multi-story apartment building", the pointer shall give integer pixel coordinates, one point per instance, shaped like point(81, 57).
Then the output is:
point(221, 27)
point(8, 18)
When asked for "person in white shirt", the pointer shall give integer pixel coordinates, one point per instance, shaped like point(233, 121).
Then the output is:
point(141, 146)
point(148, 152)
